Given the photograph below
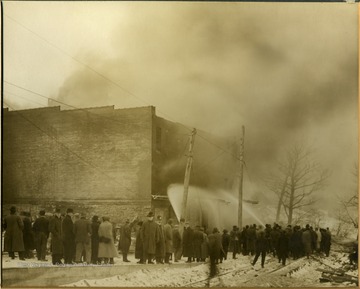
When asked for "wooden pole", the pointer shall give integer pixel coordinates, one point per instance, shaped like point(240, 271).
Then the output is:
point(241, 175)
point(187, 174)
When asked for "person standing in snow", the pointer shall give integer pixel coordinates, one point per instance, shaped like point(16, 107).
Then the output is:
point(261, 247)
point(125, 238)
point(107, 250)
point(168, 234)
point(215, 250)
point(234, 241)
point(282, 247)
point(28, 234)
point(150, 235)
point(57, 247)
point(82, 232)
point(177, 243)
point(327, 241)
point(318, 239)
point(41, 231)
point(139, 252)
point(95, 239)
point(68, 237)
point(160, 246)
point(306, 238)
point(225, 241)
point(188, 242)
point(13, 239)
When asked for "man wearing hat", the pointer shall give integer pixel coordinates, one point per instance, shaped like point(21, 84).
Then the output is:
point(151, 236)
point(68, 237)
point(160, 246)
point(13, 239)
point(55, 229)
point(82, 232)
point(41, 230)
point(125, 239)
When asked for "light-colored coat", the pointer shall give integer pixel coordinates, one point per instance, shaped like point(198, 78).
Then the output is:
point(106, 250)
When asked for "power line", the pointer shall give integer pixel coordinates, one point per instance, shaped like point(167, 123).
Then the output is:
point(68, 105)
point(113, 82)
point(35, 102)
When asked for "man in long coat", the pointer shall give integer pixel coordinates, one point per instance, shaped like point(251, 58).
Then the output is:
point(13, 239)
point(150, 234)
point(125, 239)
point(176, 237)
point(234, 242)
point(168, 234)
point(215, 249)
point(198, 239)
point(95, 239)
point(28, 235)
point(306, 239)
point(188, 242)
point(282, 247)
point(41, 230)
point(82, 232)
point(55, 228)
point(68, 237)
point(139, 250)
point(160, 246)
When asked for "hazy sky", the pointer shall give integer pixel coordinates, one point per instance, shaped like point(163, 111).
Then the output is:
point(287, 71)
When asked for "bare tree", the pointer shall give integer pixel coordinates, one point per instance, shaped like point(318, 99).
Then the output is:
point(349, 205)
point(299, 177)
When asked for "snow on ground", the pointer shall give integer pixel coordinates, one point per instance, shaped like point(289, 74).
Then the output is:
point(232, 273)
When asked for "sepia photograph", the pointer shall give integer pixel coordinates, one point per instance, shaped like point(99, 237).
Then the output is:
point(179, 144)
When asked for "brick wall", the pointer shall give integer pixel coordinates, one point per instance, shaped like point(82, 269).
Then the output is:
point(77, 155)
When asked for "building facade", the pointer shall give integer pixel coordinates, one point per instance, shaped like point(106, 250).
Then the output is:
point(104, 161)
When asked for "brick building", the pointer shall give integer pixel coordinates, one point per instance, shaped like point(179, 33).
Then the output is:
point(105, 161)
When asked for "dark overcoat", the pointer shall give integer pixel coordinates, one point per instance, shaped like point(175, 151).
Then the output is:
point(125, 238)
point(160, 246)
point(56, 235)
point(13, 239)
point(282, 245)
point(234, 241)
point(168, 234)
point(188, 242)
point(68, 230)
point(138, 245)
point(215, 246)
point(205, 246)
point(82, 231)
point(29, 238)
point(261, 244)
point(225, 241)
point(306, 241)
point(176, 237)
point(150, 234)
point(198, 239)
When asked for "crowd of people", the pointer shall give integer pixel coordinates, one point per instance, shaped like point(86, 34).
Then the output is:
point(76, 239)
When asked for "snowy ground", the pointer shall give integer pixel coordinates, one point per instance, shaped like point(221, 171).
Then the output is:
point(231, 273)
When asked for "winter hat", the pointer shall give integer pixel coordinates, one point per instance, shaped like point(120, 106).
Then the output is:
point(69, 210)
point(151, 214)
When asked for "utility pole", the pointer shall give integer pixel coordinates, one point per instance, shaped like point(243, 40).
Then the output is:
point(241, 175)
point(187, 174)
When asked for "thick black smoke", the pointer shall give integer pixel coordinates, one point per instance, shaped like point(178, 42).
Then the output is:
point(280, 69)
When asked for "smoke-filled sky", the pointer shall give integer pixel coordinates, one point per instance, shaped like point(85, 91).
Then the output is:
point(287, 71)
